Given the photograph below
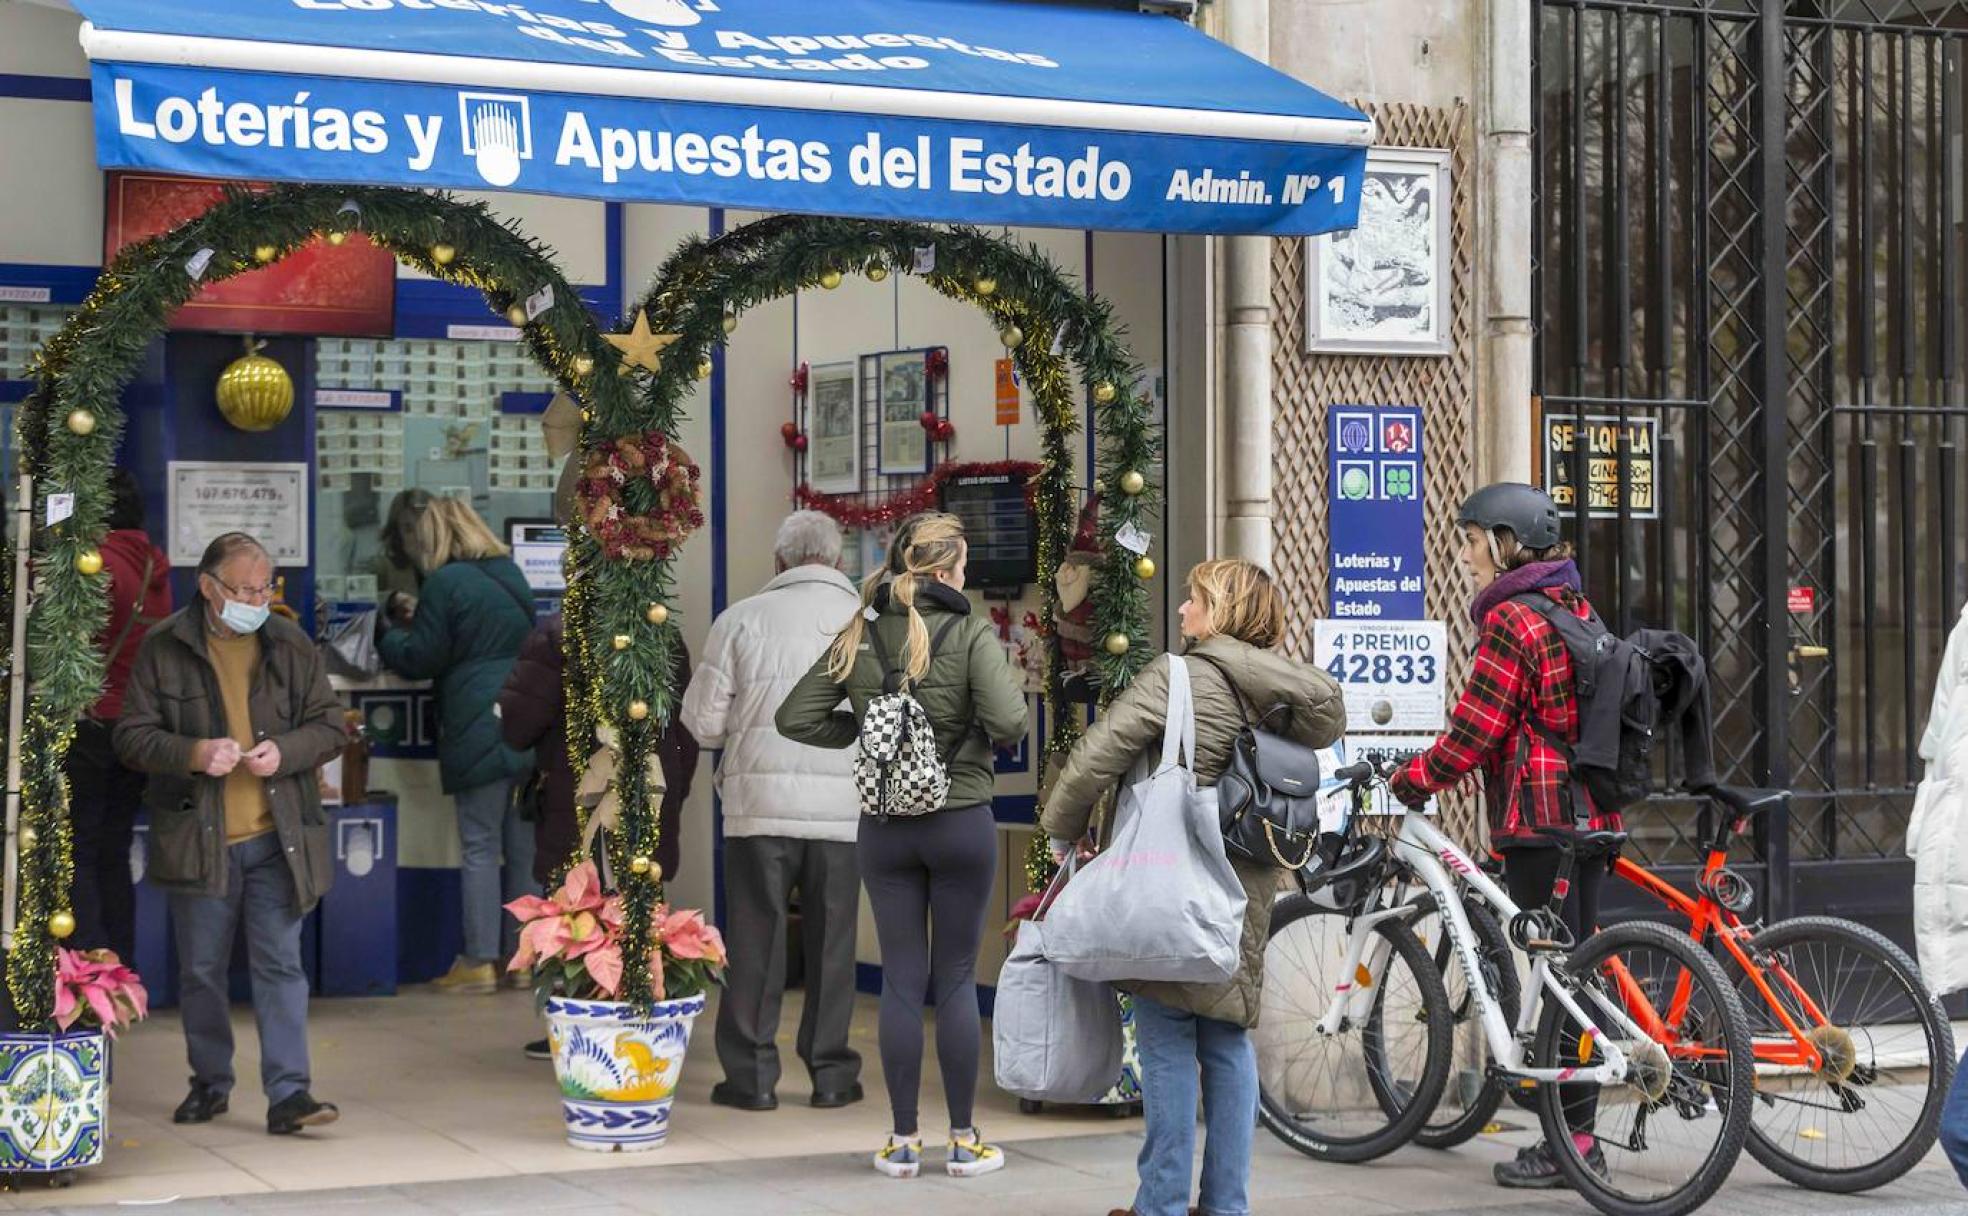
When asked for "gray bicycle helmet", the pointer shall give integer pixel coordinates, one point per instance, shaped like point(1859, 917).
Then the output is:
point(1527, 511)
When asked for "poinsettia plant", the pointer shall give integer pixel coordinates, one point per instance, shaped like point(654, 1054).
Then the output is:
point(572, 940)
point(95, 988)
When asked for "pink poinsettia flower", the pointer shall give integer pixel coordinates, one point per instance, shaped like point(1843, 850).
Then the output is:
point(97, 985)
point(686, 935)
point(576, 920)
point(604, 966)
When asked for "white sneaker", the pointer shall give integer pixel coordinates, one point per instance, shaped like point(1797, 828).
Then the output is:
point(901, 1157)
point(970, 1157)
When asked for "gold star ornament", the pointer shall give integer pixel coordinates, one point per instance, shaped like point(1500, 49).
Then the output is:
point(639, 347)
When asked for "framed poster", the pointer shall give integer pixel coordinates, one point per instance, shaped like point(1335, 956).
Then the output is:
point(904, 385)
point(833, 423)
point(268, 502)
point(1383, 288)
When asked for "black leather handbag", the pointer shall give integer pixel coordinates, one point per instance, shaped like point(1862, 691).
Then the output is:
point(1269, 793)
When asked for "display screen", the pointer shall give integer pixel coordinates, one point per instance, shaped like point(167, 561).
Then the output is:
point(998, 524)
point(538, 546)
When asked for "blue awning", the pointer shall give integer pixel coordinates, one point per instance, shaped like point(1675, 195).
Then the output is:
point(978, 111)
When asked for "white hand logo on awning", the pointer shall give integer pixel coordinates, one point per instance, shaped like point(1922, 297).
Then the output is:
point(498, 134)
point(656, 12)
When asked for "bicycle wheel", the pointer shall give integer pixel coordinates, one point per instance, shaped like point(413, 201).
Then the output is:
point(1873, 1107)
point(1361, 1092)
point(1671, 1132)
point(1471, 1096)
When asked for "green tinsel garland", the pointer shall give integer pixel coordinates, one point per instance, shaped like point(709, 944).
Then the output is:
point(85, 367)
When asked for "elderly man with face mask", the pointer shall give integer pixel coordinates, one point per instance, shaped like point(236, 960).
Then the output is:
point(230, 712)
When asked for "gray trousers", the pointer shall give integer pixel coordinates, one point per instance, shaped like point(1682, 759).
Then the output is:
point(259, 892)
point(760, 873)
point(496, 867)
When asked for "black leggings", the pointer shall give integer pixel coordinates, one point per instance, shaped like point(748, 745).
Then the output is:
point(1530, 872)
point(929, 880)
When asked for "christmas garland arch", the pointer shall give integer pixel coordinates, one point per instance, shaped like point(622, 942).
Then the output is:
point(621, 633)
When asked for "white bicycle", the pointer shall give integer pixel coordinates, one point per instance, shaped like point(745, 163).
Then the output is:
point(1636, 1036)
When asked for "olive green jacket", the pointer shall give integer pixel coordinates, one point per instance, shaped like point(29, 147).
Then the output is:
point(969, 693)
point(1133, 725)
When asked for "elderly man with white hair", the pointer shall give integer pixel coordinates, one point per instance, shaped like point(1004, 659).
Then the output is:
point(790, 815)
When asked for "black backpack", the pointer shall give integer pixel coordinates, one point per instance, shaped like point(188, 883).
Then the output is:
point(1629, 691)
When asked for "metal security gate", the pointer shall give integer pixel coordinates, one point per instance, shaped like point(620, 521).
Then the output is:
point(1749, 278)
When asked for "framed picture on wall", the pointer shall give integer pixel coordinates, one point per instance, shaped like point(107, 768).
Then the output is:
point(833, 459)
point(1383, 288)
point(905, 448)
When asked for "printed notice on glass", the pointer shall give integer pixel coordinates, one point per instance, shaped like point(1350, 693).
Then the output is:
point(1391, 672)
point(268, 502)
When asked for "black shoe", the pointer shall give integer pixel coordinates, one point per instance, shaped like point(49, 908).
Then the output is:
point(291, 1114)
point(539, 1049)
point(1535, 1170)
point(834, 1099)
point(724, 1095)
point(202, 1105)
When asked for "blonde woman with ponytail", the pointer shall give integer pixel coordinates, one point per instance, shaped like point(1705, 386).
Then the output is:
point(929, 878)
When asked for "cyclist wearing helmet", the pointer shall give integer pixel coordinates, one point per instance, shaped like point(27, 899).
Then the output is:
point(1519, 702)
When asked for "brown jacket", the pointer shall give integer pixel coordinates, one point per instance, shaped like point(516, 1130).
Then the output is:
point(173, 703)
point(1133, 724)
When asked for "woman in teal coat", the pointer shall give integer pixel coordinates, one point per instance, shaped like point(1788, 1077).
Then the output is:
point(464, 631)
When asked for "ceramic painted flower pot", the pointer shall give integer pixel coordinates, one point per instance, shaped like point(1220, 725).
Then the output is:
point(618, 1072)
point(54, 1095)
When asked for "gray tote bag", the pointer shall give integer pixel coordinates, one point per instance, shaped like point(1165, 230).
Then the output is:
point(1161, 902)
point(1054, 1038)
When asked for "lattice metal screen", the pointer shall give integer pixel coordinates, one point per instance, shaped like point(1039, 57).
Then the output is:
point(1305, 386)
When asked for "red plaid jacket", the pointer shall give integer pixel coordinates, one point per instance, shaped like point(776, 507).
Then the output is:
point(1523, 673)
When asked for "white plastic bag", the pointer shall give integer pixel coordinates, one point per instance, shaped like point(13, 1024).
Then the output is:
point(1161, 902)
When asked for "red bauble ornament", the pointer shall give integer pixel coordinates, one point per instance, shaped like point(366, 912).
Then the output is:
point(788, 431)
point(946, 430)
point(798, 379)
point(799, 443)
point(937, 362)
point(929, 420)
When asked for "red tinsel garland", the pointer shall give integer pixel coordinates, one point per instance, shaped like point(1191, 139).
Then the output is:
point(626, 536)
point(850, 511)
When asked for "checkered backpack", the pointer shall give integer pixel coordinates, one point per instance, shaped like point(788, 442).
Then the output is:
point(896, 766)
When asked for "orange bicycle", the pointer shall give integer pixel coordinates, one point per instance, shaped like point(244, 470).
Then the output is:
point(1853, 1055)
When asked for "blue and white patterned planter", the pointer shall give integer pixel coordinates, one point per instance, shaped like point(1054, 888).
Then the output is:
point(54, 1097)
point(618, 1073)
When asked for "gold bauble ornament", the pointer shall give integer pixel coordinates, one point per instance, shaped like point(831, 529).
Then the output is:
point(82, 422)
point(1011, 336)
point(583, 366)
point(642, 865)
point(442, 254)
point(1104, 392)
point(255, 393)
point(730, 323)
point(1133, 483)
point(587, 415)
point(705, 367)
point(638, 710)
point(985, 285)
point(89, 562)
point(877, 273)
point(830, 279)
point(658, 614)
point(517, 315)
point(336, 238)
point(62, 924)
point(622, 641)
point(265, 253)
point(1117, 644)
point(1144, 568)
point(29, 838)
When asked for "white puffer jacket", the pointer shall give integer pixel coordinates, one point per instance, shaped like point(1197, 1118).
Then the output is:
point(1937, 836)
point(756, 652)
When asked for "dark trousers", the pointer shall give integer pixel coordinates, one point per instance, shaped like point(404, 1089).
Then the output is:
point(760, 873)
point(929, 882)
point(103, 800)
point(1530, 873)
point(260, 899)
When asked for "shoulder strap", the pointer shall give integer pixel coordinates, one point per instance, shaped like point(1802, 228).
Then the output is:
point(136, 609)
point(1237, 695)
point(881, 647)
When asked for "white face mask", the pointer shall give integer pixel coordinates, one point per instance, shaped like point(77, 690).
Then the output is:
point(244, 618)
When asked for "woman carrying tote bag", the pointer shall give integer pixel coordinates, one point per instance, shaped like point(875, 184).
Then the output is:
point(1234, 617)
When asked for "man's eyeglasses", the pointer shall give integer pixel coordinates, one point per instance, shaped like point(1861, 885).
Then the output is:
point(261, 592)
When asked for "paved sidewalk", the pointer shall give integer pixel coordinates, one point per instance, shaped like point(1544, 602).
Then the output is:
point(1079, 1176)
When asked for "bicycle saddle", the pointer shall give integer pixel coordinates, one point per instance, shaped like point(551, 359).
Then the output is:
point(1745, 801)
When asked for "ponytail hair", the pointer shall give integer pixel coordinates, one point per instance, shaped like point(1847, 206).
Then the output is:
point(925, 545)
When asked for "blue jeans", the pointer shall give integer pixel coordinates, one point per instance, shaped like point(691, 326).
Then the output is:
point(489, 829)
point(260, 900)
point(1954, 1122)
point(1172, 1043)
